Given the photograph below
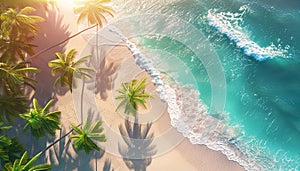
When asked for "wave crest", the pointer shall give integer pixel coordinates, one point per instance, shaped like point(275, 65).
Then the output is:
point(229, 24)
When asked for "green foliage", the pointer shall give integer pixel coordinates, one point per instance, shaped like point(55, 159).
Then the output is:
point(24, 164)
point(4, 142)
point(11, 106)
point(17, 29)
point(94, 10)
point(66, 66)
point(132, 94)
point(12, 78)
point(12, 81)
point(10, 149)
point(40, 120)
point(85, 137)
point(14, 50)
point(18, 25)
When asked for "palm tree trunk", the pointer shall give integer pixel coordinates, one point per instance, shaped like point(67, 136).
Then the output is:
point(57, 44)
point(81, 102)
point(58, 140)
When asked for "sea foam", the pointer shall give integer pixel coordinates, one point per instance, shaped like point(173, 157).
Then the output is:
point(229, 24)
point(190, 116)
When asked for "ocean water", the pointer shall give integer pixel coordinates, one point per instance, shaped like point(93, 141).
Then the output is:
point(258, 46)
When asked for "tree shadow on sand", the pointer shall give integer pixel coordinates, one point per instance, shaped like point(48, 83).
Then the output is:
point(139, 149)
point(107, 165)
point(105, 72)
point(51, 32)
point(63, 156)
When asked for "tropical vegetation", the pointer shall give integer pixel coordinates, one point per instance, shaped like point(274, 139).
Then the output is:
point(26, 164)
point(94, 11)
point(87, 135)
point(40, 121)
point(132, 94)
point(66, 66)
point(18, 28)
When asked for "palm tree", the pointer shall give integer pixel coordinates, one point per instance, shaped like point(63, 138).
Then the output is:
point(12, 78)
point(24, 164)
point(17, 29)
point(67, 67)
point(94, 10)
point(13, 51)
point(139, 151)
point(18, 25)
point(133, 93)
point(12, 81)
point(11, 106)
point(86, 135)
point(40, 120)
point(10, 149)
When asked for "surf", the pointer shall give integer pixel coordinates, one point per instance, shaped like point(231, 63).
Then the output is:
point(229, 24)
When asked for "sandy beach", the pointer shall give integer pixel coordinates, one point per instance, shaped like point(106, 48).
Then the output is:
point(117, 66)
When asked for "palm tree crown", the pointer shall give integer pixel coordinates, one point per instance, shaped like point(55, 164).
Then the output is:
point(24, 164)
point(67, 67)
point(86, 135)
point(132, 94)
point(94, 10)
point(18, 25)
point(12, 77)
point(40, 120)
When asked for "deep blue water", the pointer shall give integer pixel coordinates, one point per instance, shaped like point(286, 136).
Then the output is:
point(262, 97)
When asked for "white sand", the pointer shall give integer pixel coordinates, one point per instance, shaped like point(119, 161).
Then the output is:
point(184, 156)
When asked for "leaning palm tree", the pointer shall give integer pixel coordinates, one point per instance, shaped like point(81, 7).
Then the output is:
point(132, 94)
point(40, 120)
point(24, 164)
point(85, 137)
point(95, 12)
point(12, 78)
point(66, 66)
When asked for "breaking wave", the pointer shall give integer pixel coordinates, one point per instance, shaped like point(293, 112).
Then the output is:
point(229, 24)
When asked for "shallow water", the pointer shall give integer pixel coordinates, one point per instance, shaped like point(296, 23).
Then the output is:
point(262, 104)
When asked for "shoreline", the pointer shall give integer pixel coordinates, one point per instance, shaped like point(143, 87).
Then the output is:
point(186, 155)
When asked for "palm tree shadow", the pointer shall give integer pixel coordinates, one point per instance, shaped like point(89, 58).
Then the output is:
point(105, 73)
point(139, 151)
point(51, 32)
point(63, 156)
point(107, 165)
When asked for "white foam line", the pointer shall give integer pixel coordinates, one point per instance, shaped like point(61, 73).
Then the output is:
point(189, 115)
point(222, 22)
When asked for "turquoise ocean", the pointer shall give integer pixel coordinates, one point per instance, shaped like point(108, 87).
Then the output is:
point(258, 45)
